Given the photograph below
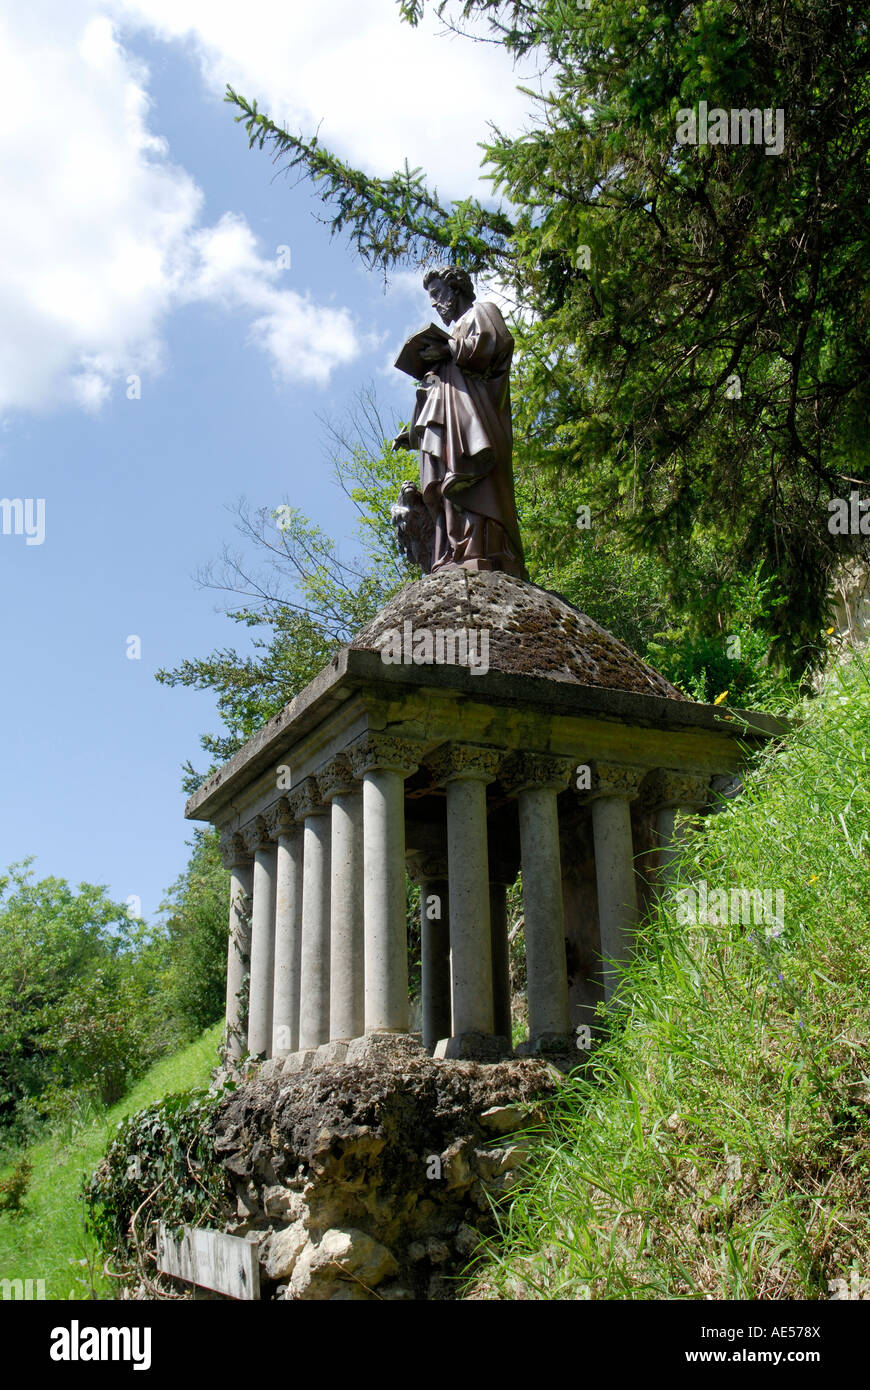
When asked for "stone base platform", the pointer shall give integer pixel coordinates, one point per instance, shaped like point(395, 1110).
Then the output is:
point(392, 1049)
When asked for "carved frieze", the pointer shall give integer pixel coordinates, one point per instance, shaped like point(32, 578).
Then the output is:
point(233, 850)
point(384, 753)
point(456, 762)
point(679, 790)
point(612, 779)
point(524, 770)
point(308, 800)
point(337, 777)
point(257, 834)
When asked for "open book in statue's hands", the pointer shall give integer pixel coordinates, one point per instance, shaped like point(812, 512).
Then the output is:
point(410, 360)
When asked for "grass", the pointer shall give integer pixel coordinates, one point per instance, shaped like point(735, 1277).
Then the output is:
point(718, 1143)
point(48, 1239)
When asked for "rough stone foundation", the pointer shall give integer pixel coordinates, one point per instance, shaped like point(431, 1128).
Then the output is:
point(375, 1179)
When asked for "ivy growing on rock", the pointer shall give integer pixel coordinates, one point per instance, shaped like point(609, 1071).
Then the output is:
point(161, 1166)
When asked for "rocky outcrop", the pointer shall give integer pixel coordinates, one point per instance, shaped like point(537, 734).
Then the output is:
point(375, 1180)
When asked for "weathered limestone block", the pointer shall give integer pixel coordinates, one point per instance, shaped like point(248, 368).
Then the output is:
point(350, 1253)
point(329, 1054)
point(284, 1250)
point(298, 1062)
point(391, 1048)
point(284, 1202)
point(456, 1167)
point(493, 1163)
point(247, 1203)
point(507, 1119)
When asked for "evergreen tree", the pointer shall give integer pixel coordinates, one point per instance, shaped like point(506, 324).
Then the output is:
point(694, 343)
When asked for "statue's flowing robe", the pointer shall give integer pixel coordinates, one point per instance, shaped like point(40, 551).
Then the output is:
point(462, 426)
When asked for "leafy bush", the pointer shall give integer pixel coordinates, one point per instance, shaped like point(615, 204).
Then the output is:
point(198, 929)
point(733, 661)
point(161, 1165)
point(81, 1003)
point(107, 1031)
point(14, 1188)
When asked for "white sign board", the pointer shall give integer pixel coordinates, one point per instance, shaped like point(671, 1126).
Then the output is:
point(211, 1259)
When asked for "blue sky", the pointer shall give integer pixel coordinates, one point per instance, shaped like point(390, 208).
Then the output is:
point(140, 238)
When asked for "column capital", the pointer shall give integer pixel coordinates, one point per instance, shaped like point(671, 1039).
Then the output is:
point(257, 835)
point(282, 818)
point(613, 779)
point(667, 789)
point(336, 777)
point(308, 800)
point(384, 753)
point(424, 866)
point(233, 849)
point(523, 770)
point(463, 762)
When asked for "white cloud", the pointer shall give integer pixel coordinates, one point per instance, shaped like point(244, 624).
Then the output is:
point(99, 239)
point(92, 211)
point(227, 269)
point(384, 92)
point(101, 236)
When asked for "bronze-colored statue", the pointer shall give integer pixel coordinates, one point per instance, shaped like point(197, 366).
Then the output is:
point(415, 530)
point(462, 427)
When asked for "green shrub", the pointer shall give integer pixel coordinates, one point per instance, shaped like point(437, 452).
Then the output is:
point(160, 1165)
point(198, 930)
point(14, 1188)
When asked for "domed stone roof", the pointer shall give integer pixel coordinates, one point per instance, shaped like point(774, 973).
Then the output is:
point(532, 632)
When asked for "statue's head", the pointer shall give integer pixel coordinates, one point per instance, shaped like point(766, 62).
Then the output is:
point(450, 291)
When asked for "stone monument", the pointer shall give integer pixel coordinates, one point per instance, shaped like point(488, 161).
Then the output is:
point(479, 725)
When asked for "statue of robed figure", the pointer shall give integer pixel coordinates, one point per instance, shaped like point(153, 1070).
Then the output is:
point(462, 427)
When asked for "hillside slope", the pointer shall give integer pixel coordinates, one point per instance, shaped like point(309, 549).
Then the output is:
point(719, 1142)
point(48, 1240)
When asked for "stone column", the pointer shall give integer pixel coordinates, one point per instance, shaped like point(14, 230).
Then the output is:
point(347, 924)
point(383, 763)
point(430, 871)
point(466, 771)
point(287, 831)
point(314, 988)
point(236, 857)
point(614, 787)
point(669, 794)
point(259, 841)
point(536, 780)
